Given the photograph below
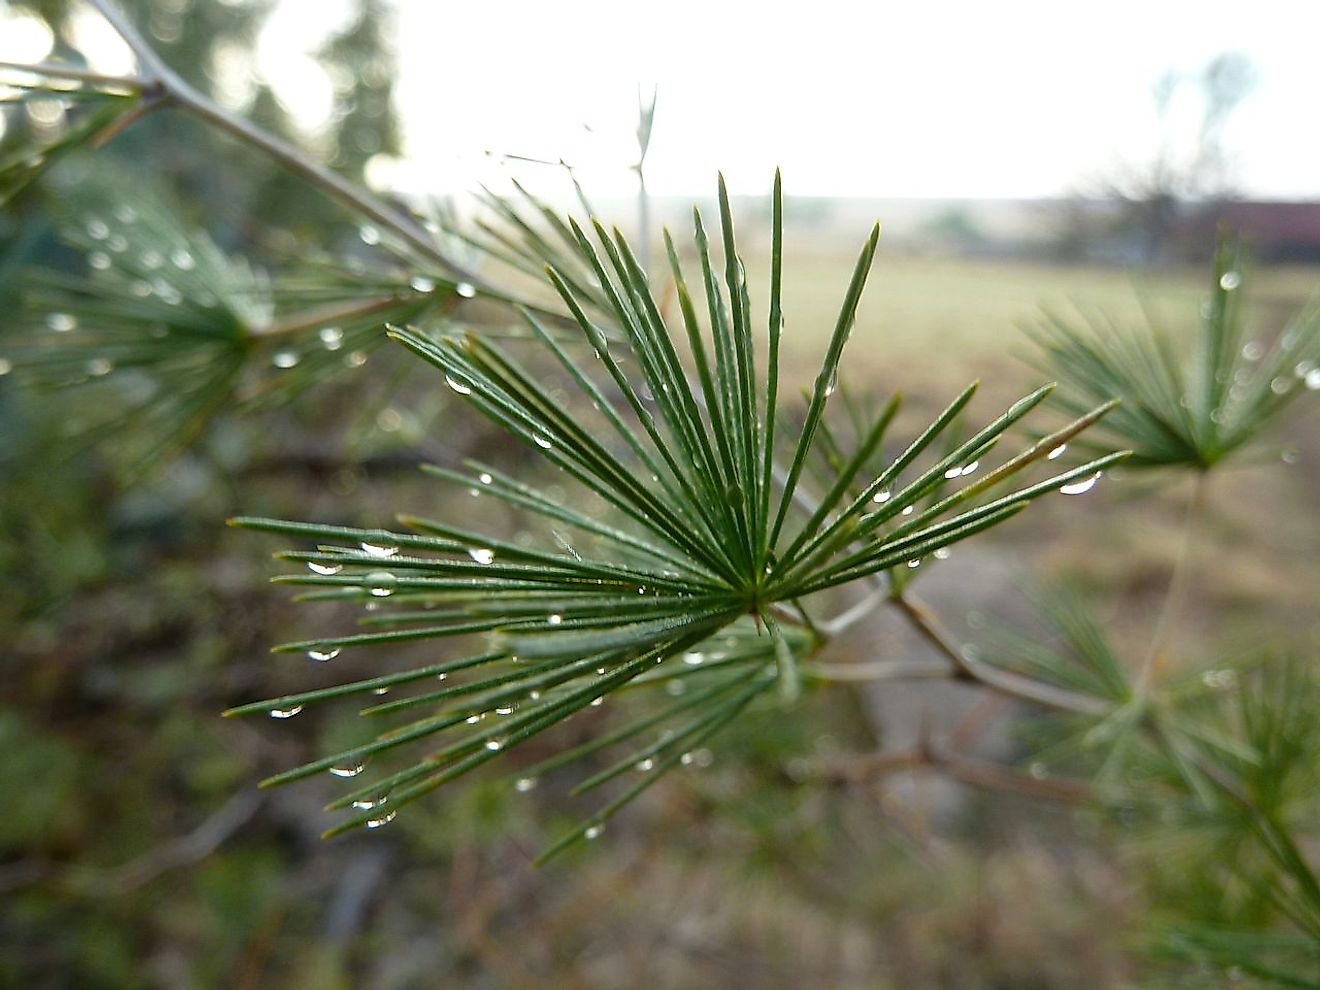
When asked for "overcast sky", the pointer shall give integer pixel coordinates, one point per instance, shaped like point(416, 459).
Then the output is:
point(880, 99)
point(869, 99)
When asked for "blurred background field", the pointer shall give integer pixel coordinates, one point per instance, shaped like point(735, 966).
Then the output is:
point(136, 851)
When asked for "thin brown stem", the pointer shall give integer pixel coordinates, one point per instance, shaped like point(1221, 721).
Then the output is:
point(52, 70)
point(322, 315)
point(932, 755)
point(178, 92)
point(1175, 599)
point(968, 667)
point(151, 101)
point(856, 613)
point(880, 670)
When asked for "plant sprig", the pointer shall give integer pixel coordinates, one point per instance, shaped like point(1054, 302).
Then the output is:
point(705, 538)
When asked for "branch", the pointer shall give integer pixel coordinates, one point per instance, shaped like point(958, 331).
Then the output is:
point(880, 670)
point(854, 614)
point(177, 853)
point(309, 319)
point(1006, 682)
point(929, 754)
point(175, 90)
point(1176, 594)
point(130, 84)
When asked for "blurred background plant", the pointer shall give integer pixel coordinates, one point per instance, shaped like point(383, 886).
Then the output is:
point(1060, 797)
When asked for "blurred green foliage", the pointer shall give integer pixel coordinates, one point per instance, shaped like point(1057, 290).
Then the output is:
point(135, 851)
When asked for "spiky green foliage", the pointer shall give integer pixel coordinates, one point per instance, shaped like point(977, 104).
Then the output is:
point(167, 330)
point(94, 111)
point(707, 536)
point(1185, 403)
point(1219, 772)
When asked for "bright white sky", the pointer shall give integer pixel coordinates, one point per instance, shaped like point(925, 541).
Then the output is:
point(977, 99)
point(854, 99)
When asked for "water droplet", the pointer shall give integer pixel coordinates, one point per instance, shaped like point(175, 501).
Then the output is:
point(350, 771)
point(285, 712)
point(914, 563)
point(380, 583)
point(1057, 452)
point(942, 553)
point(485, 478)
point(596, 703)
point(555, 619)
point(675, 688)
point(378, 549)
point(323, 654)
point(1252, 350)
point(1289, 456)
point(1081, 486)
point(284, 359)
point(168, 293)
point(369, 234)
point(481, 555)
point(125, 213)
point(1230, 281)
point(117, 242)
point(366, 804)
point(324, 569)
point(970, 468)
point(151, 260)
point(694, 659)
point(686, 759)
point(99, 260)
point(593, 831)
point(1312, 379)
point(533, 695)
point(494, 745)
point(1038, 771)
point(645, 765)
point(421, 283)
point(458, 386)
point(380, 690)
point(524, 784)
point(504, 709)
point(1281, 385)
point(61, 322)
point(6, 366)
point(99, 367)
point(331, 337)
point(953, 472)
point(384, 819)
point(474, 719)
point(181, 259)
point(541, 441)
point(880, 497)
point(833, 383)
point(97, 229)
point(907, 511)
point(355, 359)
point(466, 289)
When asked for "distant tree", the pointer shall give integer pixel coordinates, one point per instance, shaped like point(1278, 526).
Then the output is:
point(1191, 167)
